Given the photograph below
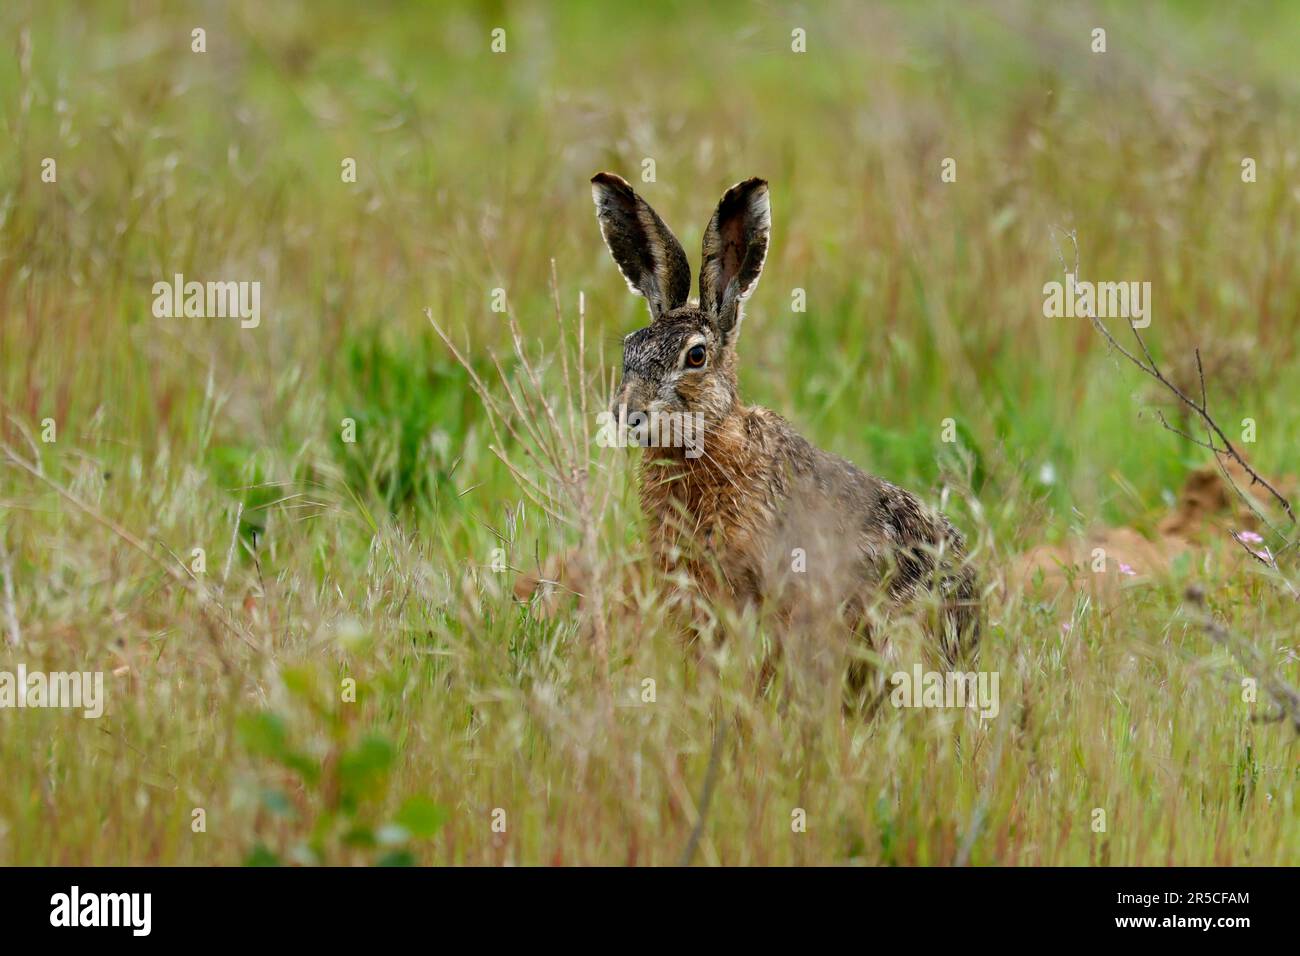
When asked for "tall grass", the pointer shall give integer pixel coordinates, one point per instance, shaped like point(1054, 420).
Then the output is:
point(373, 561)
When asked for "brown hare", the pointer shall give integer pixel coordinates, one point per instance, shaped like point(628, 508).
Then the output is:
point(752, 511)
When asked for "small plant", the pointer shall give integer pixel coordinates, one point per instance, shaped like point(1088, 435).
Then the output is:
point(403, 404)
point(330, 805)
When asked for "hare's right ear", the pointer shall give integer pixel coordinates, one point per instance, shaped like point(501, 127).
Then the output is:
point(646, 251)
point(735, 247)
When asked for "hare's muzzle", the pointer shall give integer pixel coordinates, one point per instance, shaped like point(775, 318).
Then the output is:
point(632, 425)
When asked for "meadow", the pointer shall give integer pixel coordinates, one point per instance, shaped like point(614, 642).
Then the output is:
point(292, 548)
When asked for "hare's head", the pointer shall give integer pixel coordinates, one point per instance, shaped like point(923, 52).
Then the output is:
point(684, 361)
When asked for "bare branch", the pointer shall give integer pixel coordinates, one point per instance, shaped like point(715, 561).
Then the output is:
point(1191, 438)
point(1151, 368)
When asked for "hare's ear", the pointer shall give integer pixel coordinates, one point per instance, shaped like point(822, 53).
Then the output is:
point(735, 245)
point(646, 251)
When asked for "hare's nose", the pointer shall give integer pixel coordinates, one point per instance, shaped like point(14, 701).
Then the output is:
point(619, 406)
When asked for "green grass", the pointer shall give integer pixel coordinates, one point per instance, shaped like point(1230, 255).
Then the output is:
point(371, 561)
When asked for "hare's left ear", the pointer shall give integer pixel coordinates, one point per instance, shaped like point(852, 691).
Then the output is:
point(646, 251)
point(735, 245)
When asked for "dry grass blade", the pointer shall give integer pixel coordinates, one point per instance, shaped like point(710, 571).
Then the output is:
point(13, 633)
point(569, 500)
point(1284, 695)
point(209, 606)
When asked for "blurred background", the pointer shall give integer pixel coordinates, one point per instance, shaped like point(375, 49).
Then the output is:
point(923, 303)
point(923, 298)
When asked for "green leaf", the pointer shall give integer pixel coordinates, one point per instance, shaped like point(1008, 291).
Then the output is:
point(261, 856)
point(360, 836)
point(300, 681)
point(421, 817)
point(367, 760)
point(307, 767)
point(263, 734)
point(362, 770)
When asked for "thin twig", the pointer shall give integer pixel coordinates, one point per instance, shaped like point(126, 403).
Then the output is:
point(706, 793)
point(1151, 368)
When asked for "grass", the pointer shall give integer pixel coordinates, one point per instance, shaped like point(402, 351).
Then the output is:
point(328, 561)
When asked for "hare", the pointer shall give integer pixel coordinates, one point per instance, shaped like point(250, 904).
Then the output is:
point(753, 511)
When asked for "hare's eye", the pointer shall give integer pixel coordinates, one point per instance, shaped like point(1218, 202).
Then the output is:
point(695, 357)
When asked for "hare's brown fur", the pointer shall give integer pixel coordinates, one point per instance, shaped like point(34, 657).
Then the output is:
point(756, 492)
